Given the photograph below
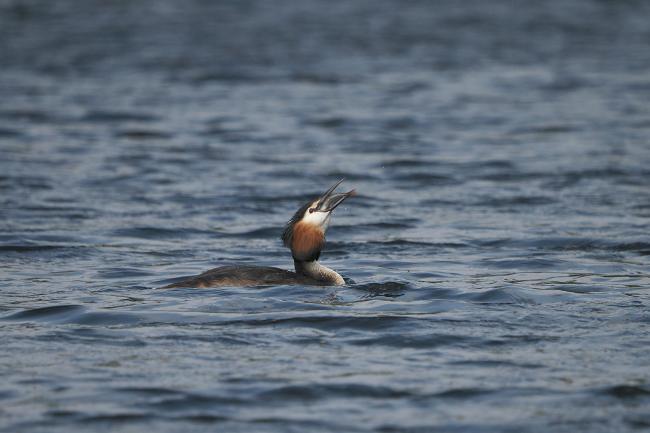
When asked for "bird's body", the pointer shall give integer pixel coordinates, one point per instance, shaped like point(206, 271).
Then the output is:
point(245, 275)
point(304, 235)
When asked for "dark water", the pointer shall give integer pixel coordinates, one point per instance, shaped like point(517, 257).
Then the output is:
point(499, 244)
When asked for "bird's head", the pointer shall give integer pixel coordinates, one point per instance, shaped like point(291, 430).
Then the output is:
point(304, 234)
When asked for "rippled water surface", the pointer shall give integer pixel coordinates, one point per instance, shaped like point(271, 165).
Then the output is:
point(498, 250)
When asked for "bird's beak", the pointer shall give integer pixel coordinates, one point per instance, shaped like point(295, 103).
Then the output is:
point(329, 201)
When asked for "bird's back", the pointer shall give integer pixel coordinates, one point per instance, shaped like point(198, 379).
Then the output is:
point(242, 275)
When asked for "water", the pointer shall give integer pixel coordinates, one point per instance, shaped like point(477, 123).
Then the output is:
point(498, 247)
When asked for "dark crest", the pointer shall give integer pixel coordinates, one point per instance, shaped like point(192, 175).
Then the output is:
point(287, 234)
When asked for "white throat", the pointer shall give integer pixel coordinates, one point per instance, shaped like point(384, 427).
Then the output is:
point(319, 272)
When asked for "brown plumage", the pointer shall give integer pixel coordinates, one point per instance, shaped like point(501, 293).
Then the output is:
point(307, 242)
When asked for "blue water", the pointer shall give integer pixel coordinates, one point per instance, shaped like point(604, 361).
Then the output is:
point(498, 248)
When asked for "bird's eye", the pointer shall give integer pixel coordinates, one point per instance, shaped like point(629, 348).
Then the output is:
point(311, 210)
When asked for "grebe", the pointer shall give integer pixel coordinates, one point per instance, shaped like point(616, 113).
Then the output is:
point(304, 235)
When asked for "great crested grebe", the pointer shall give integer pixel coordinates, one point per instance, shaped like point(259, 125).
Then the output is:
point(304, 235)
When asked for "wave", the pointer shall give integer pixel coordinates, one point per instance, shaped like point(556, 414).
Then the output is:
point(75, 314)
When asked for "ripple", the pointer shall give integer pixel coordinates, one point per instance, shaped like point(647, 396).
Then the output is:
point(56, 312)
point(29, 115)
point(328, 122)
point(548, 129)
point(386, 287)
point(7, 394)
point(386, 225)
point(585, 244)
point(494, 363)
point(101, 116)
point(407, 163)
point(410, 244)
point(464, 393)
point(125, 272)
point(77, 314)
point(317, 391)
point(115, 418)
point(515, 201)
point(532, 263)
point(501, 295)
point(234, 77)
point(375, 322)
point(144, 134)
point(31, 248)
point(160, 233)
point(263, 232)
point(182, 401)
point(149, 391)
point(417, 341)
point(10, 133)
point(627, 391)
point(426, 178)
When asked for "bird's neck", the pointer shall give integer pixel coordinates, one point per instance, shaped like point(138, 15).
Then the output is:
point(315, 270)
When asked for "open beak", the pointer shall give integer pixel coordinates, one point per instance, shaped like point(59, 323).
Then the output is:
point(329, 201)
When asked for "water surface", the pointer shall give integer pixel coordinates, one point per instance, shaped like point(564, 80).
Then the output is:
point(498, 249)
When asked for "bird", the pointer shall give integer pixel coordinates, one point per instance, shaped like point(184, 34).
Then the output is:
point(304, 235)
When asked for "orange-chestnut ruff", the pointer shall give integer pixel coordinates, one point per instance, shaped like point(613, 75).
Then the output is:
point(307, 242)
